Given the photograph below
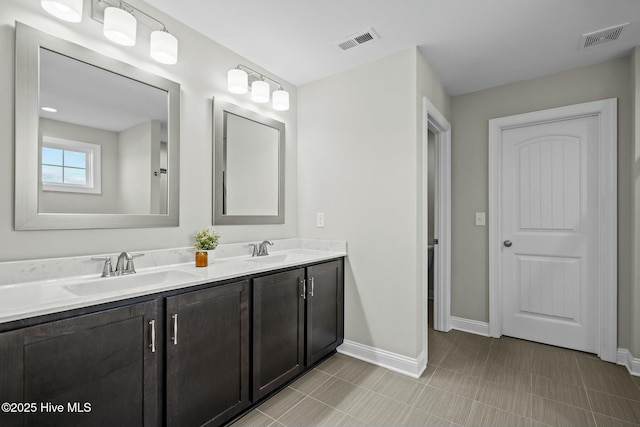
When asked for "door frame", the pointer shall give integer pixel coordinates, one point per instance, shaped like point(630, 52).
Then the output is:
point(606, 113)
point(434, 121)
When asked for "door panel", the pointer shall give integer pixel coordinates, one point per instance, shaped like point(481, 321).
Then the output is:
point(103, 359)
point(550, 214)
point(325, 315)
point(278, 330)
point(207, 355)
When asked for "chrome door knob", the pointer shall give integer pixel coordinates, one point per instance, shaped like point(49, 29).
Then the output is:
point(507, 243)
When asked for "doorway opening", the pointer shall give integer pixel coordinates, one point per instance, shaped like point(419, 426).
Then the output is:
point(431, 164)
point(436, 221)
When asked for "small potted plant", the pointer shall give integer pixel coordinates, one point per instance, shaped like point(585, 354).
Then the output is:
point(206, 240)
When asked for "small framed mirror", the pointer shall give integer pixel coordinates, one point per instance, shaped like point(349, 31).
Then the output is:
point(97, 140)
point(249, 166)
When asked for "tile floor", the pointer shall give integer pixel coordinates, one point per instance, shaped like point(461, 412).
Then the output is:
point(471, 381)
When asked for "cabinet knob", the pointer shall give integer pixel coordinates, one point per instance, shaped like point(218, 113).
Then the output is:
point(507, 243)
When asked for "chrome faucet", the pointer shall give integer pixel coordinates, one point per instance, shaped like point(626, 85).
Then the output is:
point(121, 269)
point(123, 266)
point(263, 249)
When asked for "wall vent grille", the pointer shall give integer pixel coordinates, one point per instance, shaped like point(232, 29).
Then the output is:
point(601, 36)
point(357, 39)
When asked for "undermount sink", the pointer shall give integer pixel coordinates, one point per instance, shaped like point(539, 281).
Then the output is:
point(119, 283)
point(276, 259)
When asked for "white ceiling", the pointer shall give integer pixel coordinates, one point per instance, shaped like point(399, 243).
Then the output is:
point(471, 44)
point(90, 96)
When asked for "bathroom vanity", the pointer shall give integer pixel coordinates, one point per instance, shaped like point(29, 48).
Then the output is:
point(195, 352)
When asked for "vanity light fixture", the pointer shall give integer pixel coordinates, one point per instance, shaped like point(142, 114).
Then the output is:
point(67, 10)
point(238, 82)
point(120, 26)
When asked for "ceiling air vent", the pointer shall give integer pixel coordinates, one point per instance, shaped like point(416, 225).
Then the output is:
point(357, 39)
point(601, 36)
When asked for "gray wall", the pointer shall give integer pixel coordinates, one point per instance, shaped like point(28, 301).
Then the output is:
point(359, 143)
point(470, 116)
point(202, 72)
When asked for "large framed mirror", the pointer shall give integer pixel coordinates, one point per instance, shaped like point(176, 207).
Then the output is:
point(249, 166)
point(97, 141)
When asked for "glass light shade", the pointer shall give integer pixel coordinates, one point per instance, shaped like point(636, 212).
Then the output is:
point(260, 91)
point(164, 47)
point(120, 26)
point(280, 100)
point(237, 81)
point(67, 10)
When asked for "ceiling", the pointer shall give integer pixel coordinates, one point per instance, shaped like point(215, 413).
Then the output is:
point(471, 44)
point(90, 96)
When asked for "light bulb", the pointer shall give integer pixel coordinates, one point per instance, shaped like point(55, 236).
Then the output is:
point(67, 10)
point(164, 47)
point(280, 100)
point(237, 81)
point(260, 91)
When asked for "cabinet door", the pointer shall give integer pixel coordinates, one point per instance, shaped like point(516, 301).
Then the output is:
point(99, 367)
point(325, 313)
point(207, 355)
point(278, 330)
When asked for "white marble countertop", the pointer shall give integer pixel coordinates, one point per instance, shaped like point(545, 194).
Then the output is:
point(30, 299)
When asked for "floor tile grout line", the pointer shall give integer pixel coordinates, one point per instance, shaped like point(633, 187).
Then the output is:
point(366, 391)
point(267, 415)
point(339, 410)
point(484, 368)
point(296, 404)
point(613, 395)
point(400, 401)
point(317, 387)
point(584, 386)
point(531, 388)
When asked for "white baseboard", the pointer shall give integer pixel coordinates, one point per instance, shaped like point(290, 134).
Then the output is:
point(386, 359)
point(625, 358)
point(471, 326)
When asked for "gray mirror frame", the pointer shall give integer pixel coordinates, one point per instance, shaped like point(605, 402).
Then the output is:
point(28, 43)
point(219, 107)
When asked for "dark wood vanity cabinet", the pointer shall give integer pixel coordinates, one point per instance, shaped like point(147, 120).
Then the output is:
point(182, 358)
point(325, 310)
point(207, 355)
point(100, 367)
point(298, 319)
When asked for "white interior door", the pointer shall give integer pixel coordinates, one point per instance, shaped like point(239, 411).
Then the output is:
point(549, 227)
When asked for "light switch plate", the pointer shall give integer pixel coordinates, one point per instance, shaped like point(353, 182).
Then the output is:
point(320, 219)
point(480, 219)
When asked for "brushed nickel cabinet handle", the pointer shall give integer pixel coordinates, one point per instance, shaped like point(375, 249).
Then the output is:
point(152, 327)
point(174, 338)
point(304, 288)
point(312, 286)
